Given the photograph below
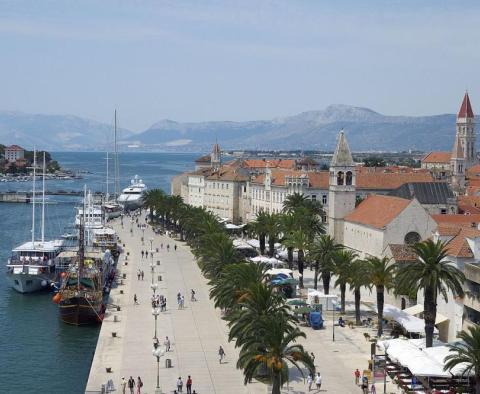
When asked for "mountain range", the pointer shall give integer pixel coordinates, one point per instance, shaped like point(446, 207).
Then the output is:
point(365, 129)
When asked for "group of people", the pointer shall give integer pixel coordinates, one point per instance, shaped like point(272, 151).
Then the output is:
point(180, 300)
point(188, 385)
point(145, 254)
point(132, 385)
point(159, 300)
point(140, 274)
point(317, 379)
point(364, 383)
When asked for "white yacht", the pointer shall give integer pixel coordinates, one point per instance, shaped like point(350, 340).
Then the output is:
point(32, 265)
point(132, 196)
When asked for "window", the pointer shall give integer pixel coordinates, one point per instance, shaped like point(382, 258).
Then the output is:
point(324, 199)
point(314, 197)
point(443, 211)
point(412, 238)
point(349, 177)
point(340, 177)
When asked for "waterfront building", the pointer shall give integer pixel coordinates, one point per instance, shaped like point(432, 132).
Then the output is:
point(14, 153)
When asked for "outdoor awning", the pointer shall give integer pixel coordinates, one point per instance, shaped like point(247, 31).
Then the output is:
point(418, 309)
point(410, 323)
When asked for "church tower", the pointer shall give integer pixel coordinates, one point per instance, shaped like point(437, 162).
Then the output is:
point(466, 132)
point(216, 157)
point(457, 163)
point(341, 190)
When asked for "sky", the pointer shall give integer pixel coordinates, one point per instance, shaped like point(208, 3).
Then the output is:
point(197, 60)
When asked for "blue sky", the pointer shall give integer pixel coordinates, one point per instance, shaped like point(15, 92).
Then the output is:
point(236, 60)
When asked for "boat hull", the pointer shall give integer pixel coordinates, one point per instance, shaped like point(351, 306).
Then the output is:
point(79, 312)
point(26, 283)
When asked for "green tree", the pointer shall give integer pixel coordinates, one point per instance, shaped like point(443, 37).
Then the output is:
point(467, 354)
point(152, 198)
point(433, 274)
point(267, 356)
point(321, 252)
point(288, 224)
point(374, 161)
point(342, 267)
point(294, 201)
point(358, 279)
point(381, 274)
point(299, 240)
point(258, 227)
point(216, 252)
point(272, 230)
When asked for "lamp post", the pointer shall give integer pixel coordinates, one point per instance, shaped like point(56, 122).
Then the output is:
point(155, 313)
point(151, 244)
point(152, 266)
point(385, 346)
point(158, 353)
point(154, 287)
point(143, 236)
point(333, 322)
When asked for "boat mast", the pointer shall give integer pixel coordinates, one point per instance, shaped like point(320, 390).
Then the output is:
point(106, 195)
point(43, 200)
point(81, 241)
point(33, 195)
point(117, 170)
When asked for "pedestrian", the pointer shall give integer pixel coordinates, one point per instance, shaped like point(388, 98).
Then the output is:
point(192, 298)
point(165, 304)
point(318, 380)
point(221, 354)
point(139, 385)
point(142, 274)
point(309, 382)
point(131, 384)
point(123, 385)
point(180, 384)
point(135, 300)
point(373, 389)
point(143, 254)
point(189, 385)
point(138, 274)
point(365, 385)
point(175, 247)
point(161, 245)
point(167, 344)
point(357, 376)
point(179, 300)
point(182, 302)
point(313, 357)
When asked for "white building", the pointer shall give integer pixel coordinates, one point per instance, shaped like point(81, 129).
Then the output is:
point(13, 153)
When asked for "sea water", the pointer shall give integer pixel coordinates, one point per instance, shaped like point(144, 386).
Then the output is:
point(39, 353)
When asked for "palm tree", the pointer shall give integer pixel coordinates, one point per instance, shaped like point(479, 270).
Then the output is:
point(272, 230)
point(467, 353)
point(357, 279)
point(433, 274)
point(258, 227)
point(152, 198)
point(321, 251)
point(288, 225)
point(294, 201)
point(268, 355)
point(299, 240)
point(216, 251)
point(381, 275)
point(342, 263)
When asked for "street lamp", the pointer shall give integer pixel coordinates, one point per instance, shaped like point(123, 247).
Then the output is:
point(152, 266)
point(158, 353)
point(143, 236)
point(151, 244)
point(155, 313)
point(385, 346)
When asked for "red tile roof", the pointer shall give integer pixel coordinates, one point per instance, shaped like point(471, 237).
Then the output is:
point(474, 172)
point(401, 252)
point(272, 163)
point(466, 108)
point(457, 219)
point(377, 211)
point(437, 157)
point(14, 148)
point(469, 204)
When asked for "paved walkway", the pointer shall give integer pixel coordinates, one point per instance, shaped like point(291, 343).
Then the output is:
point(197, 331)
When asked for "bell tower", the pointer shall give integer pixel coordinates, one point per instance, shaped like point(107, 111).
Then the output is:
point(457, 163)
point(341, 189)
point(466, 131)
point(216, 157)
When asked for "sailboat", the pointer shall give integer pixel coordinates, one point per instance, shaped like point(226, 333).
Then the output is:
point(112, 209)
point(31, 266)
point(81, 295)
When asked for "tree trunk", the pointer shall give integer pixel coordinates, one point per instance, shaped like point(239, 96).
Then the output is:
point(276, 383)
point(315, 278)
point(342, 297)
point(357, 307)
point(380, 302)
point(430, 314)
point(290, 257)
point(271, 246)
point(477, 383)
point(261, 239)
point(300, 268)
point(326, 276)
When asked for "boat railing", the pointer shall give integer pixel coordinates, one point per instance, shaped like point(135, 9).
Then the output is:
point(19, 260)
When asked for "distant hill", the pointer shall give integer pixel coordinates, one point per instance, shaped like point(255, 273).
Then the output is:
point(55, 132)
point(365, 130)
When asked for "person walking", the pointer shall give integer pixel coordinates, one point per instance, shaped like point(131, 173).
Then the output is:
point(318, 381)
point(182, 302)
point(142, 274)
point(373, 389)
point(192, 298)
point(168, 247)
point(139, 385)
point(138, 274)
point(309, 382)
point(135, 299)
point(123, 385)
point(180, 384)
point(167, 344)
point(313, 357)
point(357, 376)
point(189, 385)
point(221, 354)
point(143, 254)
point(175, 247)
point(131, 384)
point(161, 245)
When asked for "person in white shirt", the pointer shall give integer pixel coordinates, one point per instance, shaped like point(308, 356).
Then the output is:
point(309, 382)
point(318, 380)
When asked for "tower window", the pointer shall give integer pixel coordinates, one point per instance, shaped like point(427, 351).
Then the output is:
point(349, 177)
point(340, 177)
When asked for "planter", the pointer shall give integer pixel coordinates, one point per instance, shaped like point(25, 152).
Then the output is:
point(114, 334)
point(108, 369)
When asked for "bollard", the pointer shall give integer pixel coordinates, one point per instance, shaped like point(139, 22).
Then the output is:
point(108, 369)
point(103, 389)
point(168, 363)
point(114, 334)
point(121, 291)
point(115, 318)
point(159, 278)
point(157, 250)
point(118, 309)
point(124, 276)
point(158, 262)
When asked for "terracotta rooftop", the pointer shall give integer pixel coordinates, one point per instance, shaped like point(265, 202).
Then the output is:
point(14, 148)
point(466, 108)
point(458, 246)
point(402, 252)
point(228, 174)
point(377, 211)
point(474, 172)
point(469, 204)
point(457, 219)
point(437, 157)
point(272, 163)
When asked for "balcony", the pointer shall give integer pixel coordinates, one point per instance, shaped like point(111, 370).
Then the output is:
point(472, 300)
point(472, 272)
